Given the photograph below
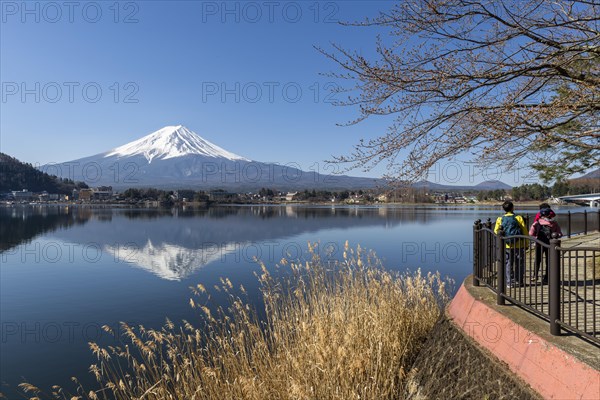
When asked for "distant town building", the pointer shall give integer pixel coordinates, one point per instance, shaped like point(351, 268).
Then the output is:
point(23, 195)
point(290, 196)
point(86, 194)
point(102, 193)
point(45, 196)
point(89, 194)
point(383, 198)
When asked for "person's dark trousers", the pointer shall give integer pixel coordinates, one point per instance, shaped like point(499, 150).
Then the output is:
point(538, 259)
point(515, 265)
point(539, 249)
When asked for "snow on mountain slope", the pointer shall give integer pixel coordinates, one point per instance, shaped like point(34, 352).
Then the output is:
point(175, 157)
point(172, 142)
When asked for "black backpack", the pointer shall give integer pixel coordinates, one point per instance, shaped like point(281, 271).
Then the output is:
point(544, 233)
point(511, 226)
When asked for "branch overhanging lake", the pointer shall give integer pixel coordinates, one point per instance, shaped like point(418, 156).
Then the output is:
point(510, 82)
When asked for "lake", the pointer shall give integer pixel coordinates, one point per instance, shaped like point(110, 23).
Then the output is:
point(66, 271)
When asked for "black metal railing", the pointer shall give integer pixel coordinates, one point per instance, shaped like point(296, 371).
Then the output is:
point(572, 224)
point(557, 282)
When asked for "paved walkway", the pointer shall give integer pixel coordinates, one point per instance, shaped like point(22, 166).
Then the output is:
point(580, 284)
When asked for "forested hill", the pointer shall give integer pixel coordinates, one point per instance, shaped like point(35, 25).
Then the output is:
point(16, 175)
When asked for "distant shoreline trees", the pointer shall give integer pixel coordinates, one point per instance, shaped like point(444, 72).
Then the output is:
point(537, 191)
point(17, 175)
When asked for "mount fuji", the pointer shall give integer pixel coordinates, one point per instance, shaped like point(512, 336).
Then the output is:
point(175, 157)
point(172, 142)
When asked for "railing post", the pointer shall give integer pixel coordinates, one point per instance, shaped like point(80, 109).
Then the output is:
point(585, 222)
point(554, 285)
point(490, 256)
point(476, 252)
point(500, 268)
point(569, 223)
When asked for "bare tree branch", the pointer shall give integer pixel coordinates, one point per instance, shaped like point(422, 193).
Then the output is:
point(504, 80)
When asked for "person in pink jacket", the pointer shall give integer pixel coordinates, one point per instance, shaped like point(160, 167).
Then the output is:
point(539, 214)
point(542, 229)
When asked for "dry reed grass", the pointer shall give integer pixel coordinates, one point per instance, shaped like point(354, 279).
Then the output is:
point(342, 330)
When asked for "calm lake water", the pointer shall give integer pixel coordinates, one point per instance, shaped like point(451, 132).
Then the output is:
point(66, 271)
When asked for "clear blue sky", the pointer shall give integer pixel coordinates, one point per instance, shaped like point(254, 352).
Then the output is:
point(173, 60)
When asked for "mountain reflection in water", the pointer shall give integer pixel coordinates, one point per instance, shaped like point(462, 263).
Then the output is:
point(173, 243)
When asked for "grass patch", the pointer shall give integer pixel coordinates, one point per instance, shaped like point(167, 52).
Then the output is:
point(332, 330)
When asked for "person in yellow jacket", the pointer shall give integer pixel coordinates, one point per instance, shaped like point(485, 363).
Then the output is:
point(513, 225)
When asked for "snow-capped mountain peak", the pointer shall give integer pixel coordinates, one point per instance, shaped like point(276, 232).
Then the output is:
point(171, 142)
point(174, 157)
